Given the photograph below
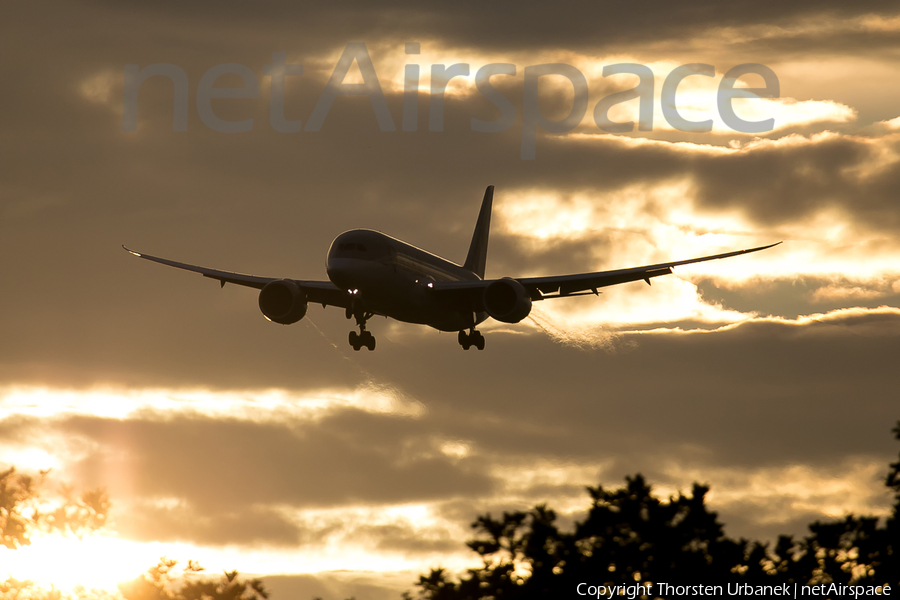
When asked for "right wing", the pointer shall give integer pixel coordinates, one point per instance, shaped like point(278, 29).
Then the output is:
point(317, 292)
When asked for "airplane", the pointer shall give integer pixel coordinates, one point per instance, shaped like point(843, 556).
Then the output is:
point(371, 274)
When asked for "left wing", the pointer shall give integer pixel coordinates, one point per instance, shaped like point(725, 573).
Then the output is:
point(560, 286)
point(317, 292)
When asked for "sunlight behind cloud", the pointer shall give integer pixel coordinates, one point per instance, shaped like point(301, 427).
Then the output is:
point(668, 300)
point(892, 124)
point(695, 98)
point(696, 101)
point(783, 492)
point(634, 211)
point(29, 458)
point(519, 478)
point(97, 561)
point(378, 539)
point(257, 405)
point(100, 87)
point(643, 224)
point(390, 59)
point(640, 225)
point(345, 539)
point(543, 215)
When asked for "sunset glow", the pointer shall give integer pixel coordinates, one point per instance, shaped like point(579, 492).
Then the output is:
point(66, 563)
point(148, 411)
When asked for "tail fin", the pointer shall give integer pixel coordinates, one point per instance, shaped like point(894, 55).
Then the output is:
point(477, 257)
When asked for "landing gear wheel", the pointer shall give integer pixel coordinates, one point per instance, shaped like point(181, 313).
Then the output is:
point(473, 338)
point(367, 339)
point(479, 340)
point(464, 341)
point(363, 338)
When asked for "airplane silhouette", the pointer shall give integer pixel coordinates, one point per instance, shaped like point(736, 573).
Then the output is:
point(371, 273)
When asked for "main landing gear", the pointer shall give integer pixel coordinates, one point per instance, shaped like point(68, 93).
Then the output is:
point(473, 338)
point(364, 337)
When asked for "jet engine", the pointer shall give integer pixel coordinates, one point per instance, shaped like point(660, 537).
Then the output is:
point(506, 300)
point(283, 302)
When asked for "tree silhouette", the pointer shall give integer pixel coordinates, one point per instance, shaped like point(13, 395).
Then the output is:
point(630, 537)
point(18, 495)
point(24, 510)
point(163, 582)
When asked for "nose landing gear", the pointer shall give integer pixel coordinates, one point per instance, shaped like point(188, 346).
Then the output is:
point(473, 338)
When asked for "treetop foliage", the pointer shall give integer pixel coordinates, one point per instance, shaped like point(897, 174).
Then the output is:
point(629, 536)
point(164, 582)
point(24, 510)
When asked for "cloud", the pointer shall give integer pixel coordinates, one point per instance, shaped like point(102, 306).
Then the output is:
point(581, 25)
point(219, 432)
point(339, 585)
point(183, 523)
point(326, 463)
point(748, 396)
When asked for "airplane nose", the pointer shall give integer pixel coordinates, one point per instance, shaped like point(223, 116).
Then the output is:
point(340, 271)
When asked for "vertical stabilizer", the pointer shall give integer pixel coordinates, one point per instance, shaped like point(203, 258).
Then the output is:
point(477, 257)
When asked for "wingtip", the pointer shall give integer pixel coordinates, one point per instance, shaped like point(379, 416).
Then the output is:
point(766, 247)
point(488, 194)
point(129, 250)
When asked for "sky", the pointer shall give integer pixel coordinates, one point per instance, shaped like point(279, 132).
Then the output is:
point(280, 452)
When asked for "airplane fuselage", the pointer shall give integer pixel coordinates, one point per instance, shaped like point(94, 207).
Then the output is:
point(392, 278)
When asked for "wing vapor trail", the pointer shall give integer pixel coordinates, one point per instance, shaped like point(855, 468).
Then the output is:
point(372, 383)
point(308, 320)
point(580, 338)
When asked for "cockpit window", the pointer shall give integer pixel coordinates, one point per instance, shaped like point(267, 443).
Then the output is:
point(351, 247)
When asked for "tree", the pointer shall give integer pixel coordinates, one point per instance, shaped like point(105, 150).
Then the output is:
point(23, 509)
point(164, 582)
point(629, 537)
point(18, 497)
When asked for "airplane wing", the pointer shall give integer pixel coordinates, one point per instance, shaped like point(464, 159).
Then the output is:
point(317, 292)
point(561, 286)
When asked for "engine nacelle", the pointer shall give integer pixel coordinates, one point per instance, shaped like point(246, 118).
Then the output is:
point(283, 302)
point(507, 300)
